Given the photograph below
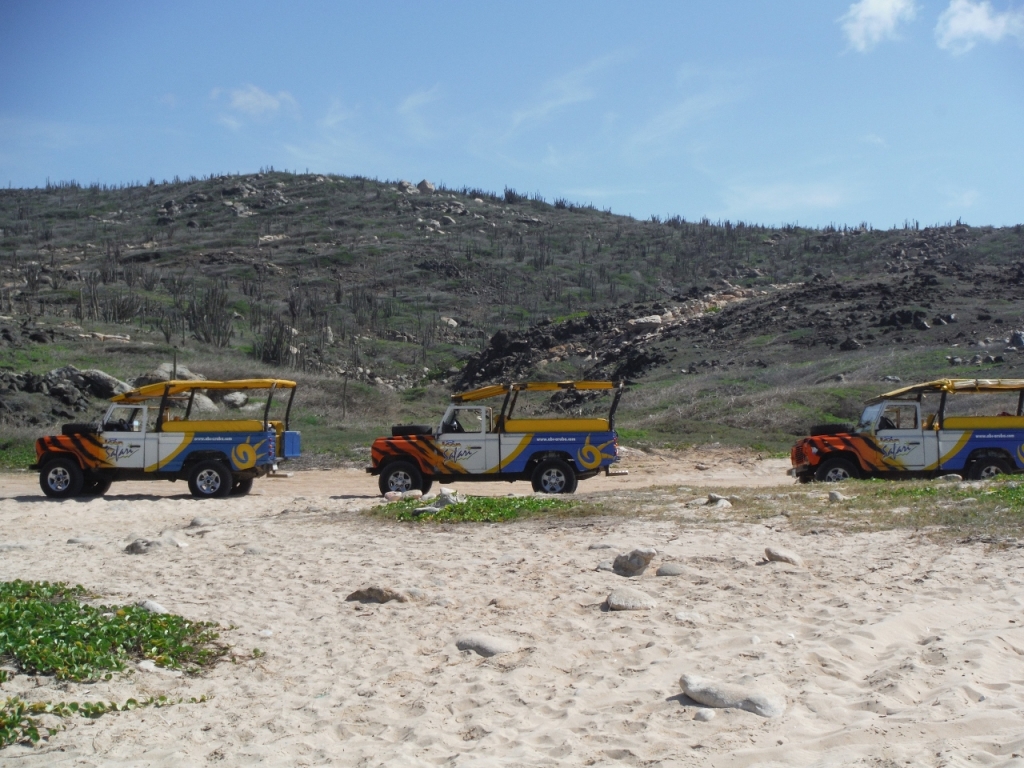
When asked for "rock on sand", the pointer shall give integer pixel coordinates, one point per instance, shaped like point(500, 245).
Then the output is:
point(635, 562)
point(375, 594)
point(778, 555)
point(626, 599)
point(485, 645)
point(711, 693)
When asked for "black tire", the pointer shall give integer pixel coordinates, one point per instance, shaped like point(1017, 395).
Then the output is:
point(242, 487)
point(400, 476)
point(426, 485)
point(986, 468)
point(96, 486)
point(554, 476)
point(210, 480)
point(61, 478)
point(835, 471)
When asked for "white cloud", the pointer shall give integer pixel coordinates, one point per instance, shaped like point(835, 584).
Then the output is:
point(875, 139)
point(256, 102)
point(869, 22)
point(662, 128)
point(966, 22)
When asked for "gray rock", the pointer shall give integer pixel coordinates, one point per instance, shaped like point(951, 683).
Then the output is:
point(425, 187)
point(720, 504)
point(235, 399)
point(949, 479)
point(834, 497)
point(703, 715)
point(605, 565)
point(711, 693)
point(102, 384)
point(253, 549)
point(600, 546)
point(485, 645)
point(635, 563)
point(82, 540)
point(164, 372)
point(375, 594)
point(671, 569)
point(778, 555)
point(202, 404)
point(142, 546)
point(9, 547)
point(626, 599)
point(152, 606)
point(202, 522)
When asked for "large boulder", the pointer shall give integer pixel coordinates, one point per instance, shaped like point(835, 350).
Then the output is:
point(164, 372)
point(102, 384)
point(425, 187)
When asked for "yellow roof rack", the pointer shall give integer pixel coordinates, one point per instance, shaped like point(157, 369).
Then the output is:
point(496, 390)
point(171, 388)
point(954, 385)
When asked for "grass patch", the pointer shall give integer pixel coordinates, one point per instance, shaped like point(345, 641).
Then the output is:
point(483, 509)
point(991, 512)
point(45, 629)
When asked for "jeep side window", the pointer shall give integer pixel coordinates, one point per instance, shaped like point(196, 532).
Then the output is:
point(898, 417)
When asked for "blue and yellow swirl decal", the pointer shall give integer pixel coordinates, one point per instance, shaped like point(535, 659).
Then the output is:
point(244, 455)
point(591, 456)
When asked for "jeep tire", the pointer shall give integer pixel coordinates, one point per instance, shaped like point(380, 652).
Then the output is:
point(986, 468)
point(242, 486)
point(400, 476)
point(554, 476)
point(210, 480)
point(835, 471)
point(61, 478)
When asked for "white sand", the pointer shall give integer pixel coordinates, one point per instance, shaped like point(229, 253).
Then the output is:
point(887, 650)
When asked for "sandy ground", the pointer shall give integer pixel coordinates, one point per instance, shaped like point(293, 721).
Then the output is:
point(886, 649)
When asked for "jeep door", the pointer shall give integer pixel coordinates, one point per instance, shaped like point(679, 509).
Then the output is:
point(124, 436)
point(466, 440)
point(903, 444)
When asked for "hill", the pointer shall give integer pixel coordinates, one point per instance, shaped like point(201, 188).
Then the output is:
point(382, 297)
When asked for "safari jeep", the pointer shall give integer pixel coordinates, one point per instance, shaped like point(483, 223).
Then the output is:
point(914, 431)
point(472, 442)
point(156, 433)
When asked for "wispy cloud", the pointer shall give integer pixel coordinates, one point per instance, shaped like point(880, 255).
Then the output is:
point(411, 110)
point(874, 139)
point(573, 87)
point(783, 196)
point(958, 198)
point(667, 124)
point(252, 103)
point(869, 22)
point(966, 22)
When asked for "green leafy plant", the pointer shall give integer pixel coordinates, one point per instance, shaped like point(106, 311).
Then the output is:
point(481, 509)
point(46, 629)
point(17, 723)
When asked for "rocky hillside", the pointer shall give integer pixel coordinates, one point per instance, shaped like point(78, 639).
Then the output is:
point(402, 288)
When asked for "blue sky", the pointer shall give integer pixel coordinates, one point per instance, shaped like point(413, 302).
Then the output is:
point(811, 111)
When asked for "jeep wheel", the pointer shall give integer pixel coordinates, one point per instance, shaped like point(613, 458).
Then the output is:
point(96, 486)
point(210, 479)
point(61, 478)
point(554, 476)
point(835, 471)
point(242, 487)
point(400, 476)
point(986, 469)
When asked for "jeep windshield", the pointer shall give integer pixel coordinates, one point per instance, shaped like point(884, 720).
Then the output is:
point(868, 418)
